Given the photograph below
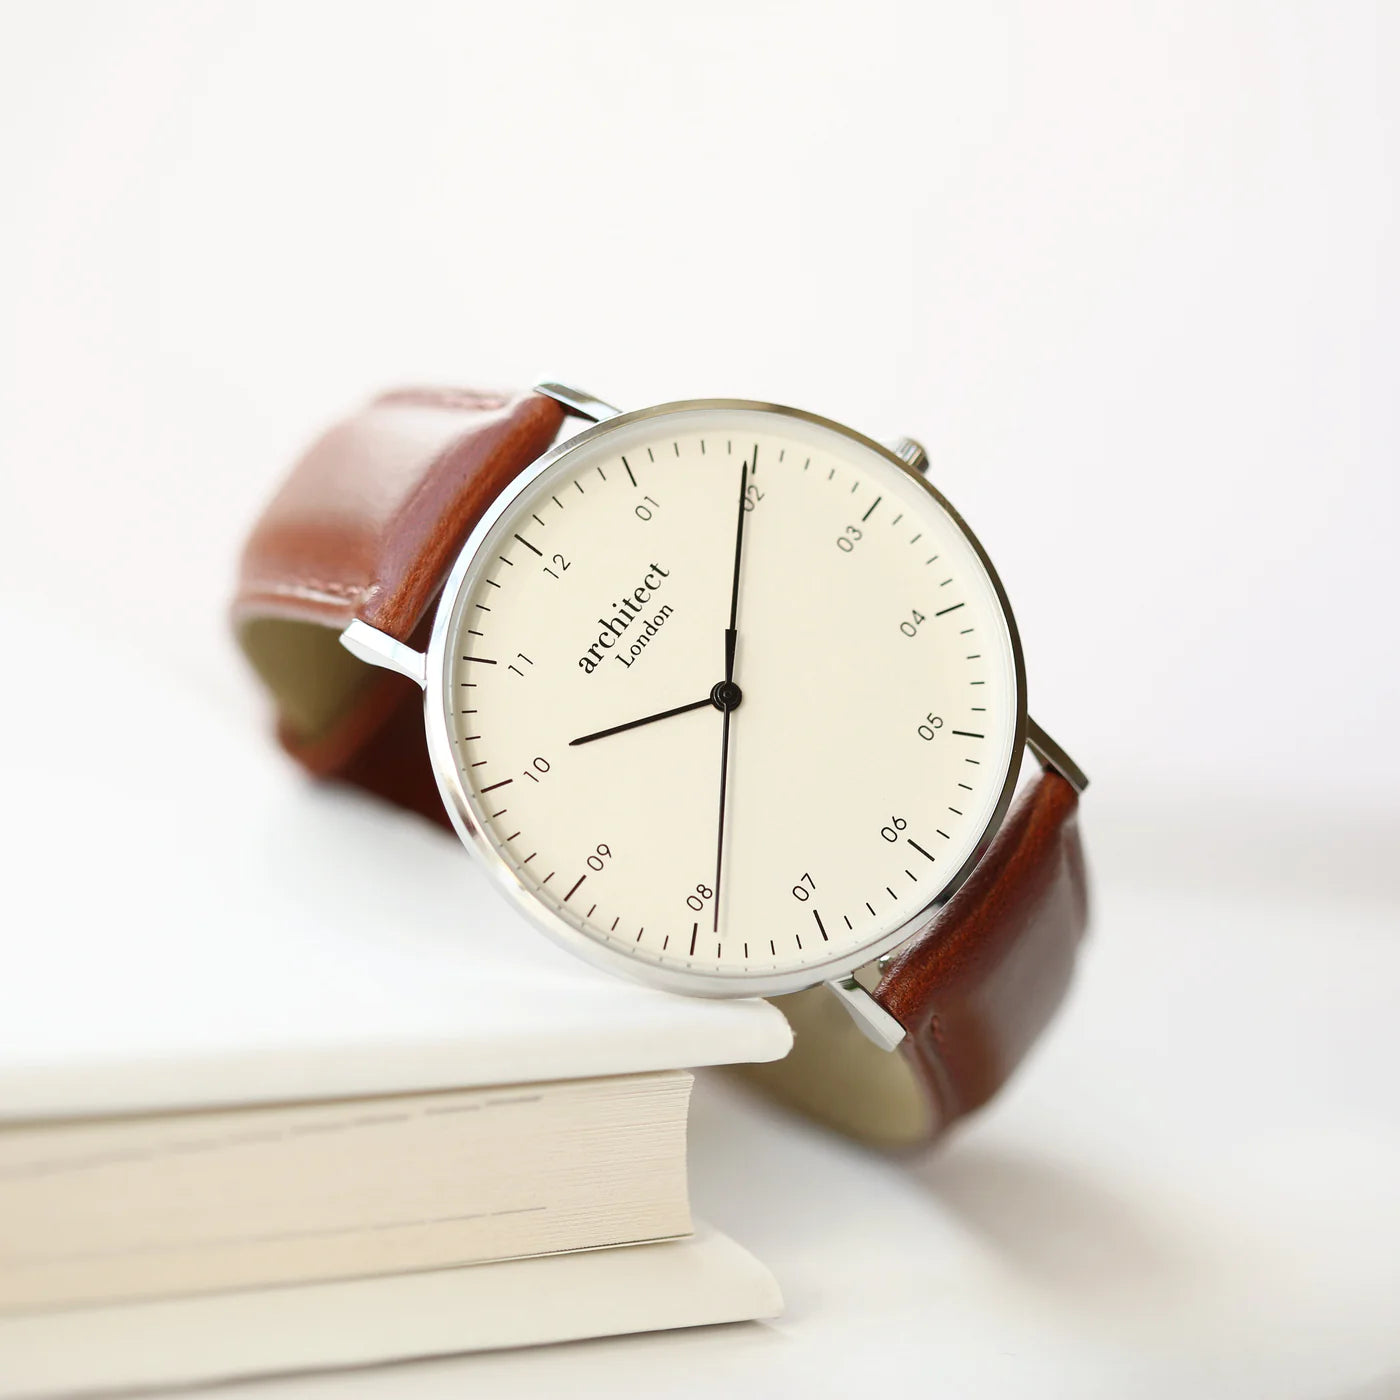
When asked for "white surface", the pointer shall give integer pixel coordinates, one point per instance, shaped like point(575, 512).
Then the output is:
point(1191, 1191)
point(522, 1302)
point(231, 935)
point(1128, 270)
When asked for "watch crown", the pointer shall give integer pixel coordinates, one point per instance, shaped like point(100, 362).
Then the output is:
point(911, 452)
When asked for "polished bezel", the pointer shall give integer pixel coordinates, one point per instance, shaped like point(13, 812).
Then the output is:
point(438, 704)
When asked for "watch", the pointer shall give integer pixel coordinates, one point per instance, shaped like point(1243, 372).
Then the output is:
point(725, 695)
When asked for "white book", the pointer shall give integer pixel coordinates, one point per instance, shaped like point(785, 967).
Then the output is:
point(703, 1279)
point(198, 936)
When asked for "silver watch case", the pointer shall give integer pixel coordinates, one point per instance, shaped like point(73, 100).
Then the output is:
point(434, 676)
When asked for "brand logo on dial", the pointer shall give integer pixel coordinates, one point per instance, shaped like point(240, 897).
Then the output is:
point(626, 617)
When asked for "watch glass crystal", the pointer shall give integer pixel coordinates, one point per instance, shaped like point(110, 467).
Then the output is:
point(757, 803)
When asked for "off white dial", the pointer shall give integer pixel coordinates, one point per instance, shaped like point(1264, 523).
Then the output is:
point(790, 807)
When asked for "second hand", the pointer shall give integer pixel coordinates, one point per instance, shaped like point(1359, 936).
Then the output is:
point(731, 637)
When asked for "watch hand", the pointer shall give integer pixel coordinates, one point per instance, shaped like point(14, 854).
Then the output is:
point(728, 695)
point(731, 634)
point(646, 719)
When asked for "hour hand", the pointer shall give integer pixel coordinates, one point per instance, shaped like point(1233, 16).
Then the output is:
point(646, 719)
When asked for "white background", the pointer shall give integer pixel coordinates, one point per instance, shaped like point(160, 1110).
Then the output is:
point(1128, 270)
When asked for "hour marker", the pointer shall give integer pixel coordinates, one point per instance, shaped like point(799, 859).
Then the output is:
point(968, 734)
point(930, 560)
point(511, 838)
point(494, 786)
point(529, 858)
point(820, 925)
point(855, 486)
point(967, 787)
point(600, 473)
point(702, 453)
point(493, 583)
point(912, 876)
point(651, 456)
point(472, 632)
point(591, 908)
point(504, 560)
point(974, 656)
point(917, 538)
point(536, 519)
point(485, 661)
point(529, 546)
point(918, 848)
point(694, 933)
point(941, 611)
point(869, 906)
point(871, 511)
point(579, 484)
point(557, 502)
point(483, 607)
point(847, 918)
point(955, 811)
point(943, 833)
point(547, 878)
point(617, 921)
point(628, 470)
point(890, 892)
point(574, 886)
point(945, 583)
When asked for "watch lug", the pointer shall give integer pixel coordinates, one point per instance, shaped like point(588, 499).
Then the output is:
point(1053, 756)
point(911, 452)
point(873, 1021)
point(380, 649)
point(579, 402)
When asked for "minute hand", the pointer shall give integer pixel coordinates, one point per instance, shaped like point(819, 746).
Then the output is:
point(729, 692)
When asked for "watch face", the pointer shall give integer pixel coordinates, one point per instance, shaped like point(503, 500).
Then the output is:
point(819, 775)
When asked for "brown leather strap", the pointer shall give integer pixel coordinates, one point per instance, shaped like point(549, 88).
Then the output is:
point(976, 990)
point(368, 525)
point(973, 991)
